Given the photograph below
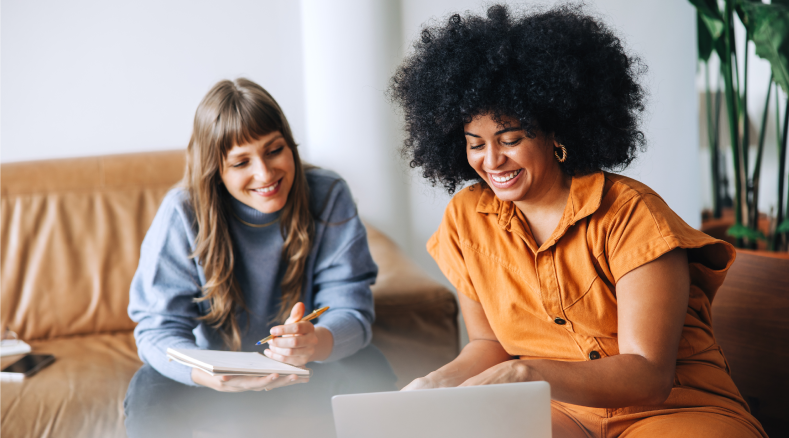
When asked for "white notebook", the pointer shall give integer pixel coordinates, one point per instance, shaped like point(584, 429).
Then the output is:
point(9, 347)
point(233, 363)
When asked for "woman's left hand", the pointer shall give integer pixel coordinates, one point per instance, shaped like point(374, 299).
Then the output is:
point(296, 342)
point(510, 371)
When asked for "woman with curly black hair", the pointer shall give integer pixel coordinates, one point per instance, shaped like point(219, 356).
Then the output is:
point(567, 273)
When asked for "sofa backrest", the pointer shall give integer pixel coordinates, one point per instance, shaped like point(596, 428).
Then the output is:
point(750, 317)
point(70, 235)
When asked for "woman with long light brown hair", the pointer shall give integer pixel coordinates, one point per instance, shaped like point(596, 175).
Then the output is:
point(243, 247)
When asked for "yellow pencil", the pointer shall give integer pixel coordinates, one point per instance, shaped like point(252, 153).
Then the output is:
point(311, 316)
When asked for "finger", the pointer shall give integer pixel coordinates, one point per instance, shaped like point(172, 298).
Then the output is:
point(409, 387)
point(295, 313)
point(298, 328)
point(301, 341)
point(474, 381)
point(419, 383)
point(284, 351)
point(246, 383)
point(289, 380)
point(267, 383)
point(293, 353)
point(292, 360)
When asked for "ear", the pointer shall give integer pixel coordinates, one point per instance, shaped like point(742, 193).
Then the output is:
point(554, 140)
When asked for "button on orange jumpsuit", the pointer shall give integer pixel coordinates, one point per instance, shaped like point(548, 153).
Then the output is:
point(559, 302)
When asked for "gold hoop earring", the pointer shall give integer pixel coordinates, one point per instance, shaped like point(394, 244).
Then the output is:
point(563, 158)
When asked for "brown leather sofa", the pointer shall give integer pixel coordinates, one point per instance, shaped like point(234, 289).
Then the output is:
point(69, 244)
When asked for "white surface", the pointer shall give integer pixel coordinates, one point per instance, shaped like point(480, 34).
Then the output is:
point(233, 361)
point(91, 77)
point(351, 48)
point(501, 411)
point(12, 377)
point(9, 347)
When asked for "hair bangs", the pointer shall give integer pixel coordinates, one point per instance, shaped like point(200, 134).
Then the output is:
point(242, 121)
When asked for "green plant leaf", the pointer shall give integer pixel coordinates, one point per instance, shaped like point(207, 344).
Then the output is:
point(741, 231)
point(739, 10)
point(769, 30)
point(710, 15)
point(784, 227)
point(704, 39)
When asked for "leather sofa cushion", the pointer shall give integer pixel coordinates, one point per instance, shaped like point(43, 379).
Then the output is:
point(79, 395)
point(70, 235)
point(68, 259)
point(415, 317)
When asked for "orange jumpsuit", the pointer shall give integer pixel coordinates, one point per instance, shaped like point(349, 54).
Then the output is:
point(559, 302)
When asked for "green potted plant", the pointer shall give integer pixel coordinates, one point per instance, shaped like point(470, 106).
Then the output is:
point(767, 28)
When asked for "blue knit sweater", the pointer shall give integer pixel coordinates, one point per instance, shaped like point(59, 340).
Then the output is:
point(338, 274)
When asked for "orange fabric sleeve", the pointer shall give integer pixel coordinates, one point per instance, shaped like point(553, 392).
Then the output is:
point(446, 249)
point(644, 228)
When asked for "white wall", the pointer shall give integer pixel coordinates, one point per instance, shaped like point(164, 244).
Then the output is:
point(89, 77)
point(92, 77)
point(351, 48)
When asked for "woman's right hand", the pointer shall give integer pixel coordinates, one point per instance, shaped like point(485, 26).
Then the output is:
point(482, 352)
point(427, 382)
point(245, 383)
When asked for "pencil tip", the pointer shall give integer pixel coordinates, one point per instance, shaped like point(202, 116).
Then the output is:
point(257, 343)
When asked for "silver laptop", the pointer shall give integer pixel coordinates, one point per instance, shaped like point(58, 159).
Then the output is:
point(502, 411)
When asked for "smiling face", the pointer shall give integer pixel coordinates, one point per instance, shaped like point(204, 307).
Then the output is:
point(260, 174)
point(517, 168)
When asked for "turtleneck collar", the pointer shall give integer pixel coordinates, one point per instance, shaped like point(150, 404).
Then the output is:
point(249, 214)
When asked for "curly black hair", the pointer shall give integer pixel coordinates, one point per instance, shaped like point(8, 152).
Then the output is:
point(557, 71)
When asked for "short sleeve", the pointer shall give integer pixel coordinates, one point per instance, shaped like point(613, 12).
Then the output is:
point(445, 248)
point(644, 228)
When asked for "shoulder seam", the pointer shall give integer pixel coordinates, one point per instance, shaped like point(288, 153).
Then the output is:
point(641, 197)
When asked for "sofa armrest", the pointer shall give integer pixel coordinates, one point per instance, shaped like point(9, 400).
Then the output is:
point(416, 324)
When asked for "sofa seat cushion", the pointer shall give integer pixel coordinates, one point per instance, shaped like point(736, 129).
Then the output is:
point(416, 323)
point(79, 395)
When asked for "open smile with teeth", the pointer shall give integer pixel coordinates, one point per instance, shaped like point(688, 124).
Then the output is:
point(268, 189)
point(506, 177)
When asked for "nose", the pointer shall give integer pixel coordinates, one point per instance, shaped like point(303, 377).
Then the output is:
point(260, 170)
point(493, 157)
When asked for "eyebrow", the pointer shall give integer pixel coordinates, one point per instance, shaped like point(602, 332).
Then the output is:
point(497, 132)
point(273, 140)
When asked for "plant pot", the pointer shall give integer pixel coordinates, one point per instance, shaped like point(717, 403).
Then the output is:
point(717, 227)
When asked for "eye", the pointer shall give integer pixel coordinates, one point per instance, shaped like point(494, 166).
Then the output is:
point(240, 164)
point(479, 146)
point(513, 143)
point(276, 151)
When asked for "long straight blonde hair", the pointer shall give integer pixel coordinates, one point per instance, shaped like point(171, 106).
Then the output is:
point(236, 113)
